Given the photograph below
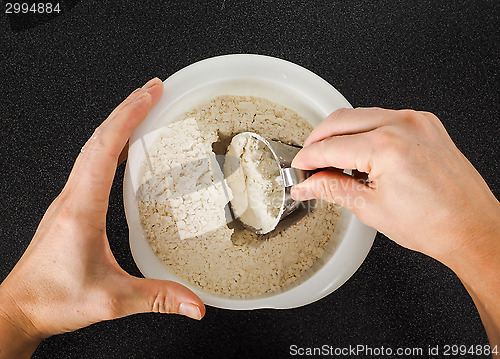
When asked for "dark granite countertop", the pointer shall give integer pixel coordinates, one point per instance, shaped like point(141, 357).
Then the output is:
point(60, 79)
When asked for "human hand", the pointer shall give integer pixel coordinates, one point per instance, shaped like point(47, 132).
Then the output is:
point(68, 278)
point(423, 193)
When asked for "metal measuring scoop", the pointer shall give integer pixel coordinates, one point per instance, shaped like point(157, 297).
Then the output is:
point(283, 154)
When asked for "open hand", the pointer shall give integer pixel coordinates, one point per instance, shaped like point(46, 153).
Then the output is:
point(68, 277)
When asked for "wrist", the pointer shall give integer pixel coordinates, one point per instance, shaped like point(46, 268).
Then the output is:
point(472, 239)
point(477, 263)
point(18, 335)
point(475, 256)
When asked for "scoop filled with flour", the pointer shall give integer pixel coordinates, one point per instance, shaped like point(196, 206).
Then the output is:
point(253, 175)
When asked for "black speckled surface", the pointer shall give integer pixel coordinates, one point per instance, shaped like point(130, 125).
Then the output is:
point(60, 79)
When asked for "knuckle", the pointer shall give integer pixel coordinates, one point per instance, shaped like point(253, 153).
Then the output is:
point(113, 307)
point(427, 124)
point(323, 150)
point(65, 216)
point(130, 115)
point(409, 117)
point(109, 301)
point(101, 147)
point(66, 212)
point(133, 94)
point(429, 115)
point(389, 144)
point(99, 144)
point(162, 303)
point(339, 112)
point(336, 115)
point(324, 189)
point(126, 128)
point(432, 119)
point(63, 195)
point(97, 132)
point(423, 122)
point(381, 138)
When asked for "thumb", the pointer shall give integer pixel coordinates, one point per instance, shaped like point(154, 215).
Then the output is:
point(335, 187)
point(142, 295)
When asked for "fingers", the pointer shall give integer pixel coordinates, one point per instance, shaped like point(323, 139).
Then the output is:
point(345, 151)
point(142, 295)
point(94, 169)
point(133, 95)
point(346, 121)
point(334, 187)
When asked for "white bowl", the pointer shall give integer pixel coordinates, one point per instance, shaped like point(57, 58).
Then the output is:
point(279, 81)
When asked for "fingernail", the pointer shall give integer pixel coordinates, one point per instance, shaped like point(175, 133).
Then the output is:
point(301, 194)
point(296, 162)
point(151, 83)
point(190, 310)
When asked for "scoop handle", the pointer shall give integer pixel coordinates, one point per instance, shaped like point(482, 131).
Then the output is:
point(293, 176)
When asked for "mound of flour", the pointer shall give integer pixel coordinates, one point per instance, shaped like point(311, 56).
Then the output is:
point(182, 176)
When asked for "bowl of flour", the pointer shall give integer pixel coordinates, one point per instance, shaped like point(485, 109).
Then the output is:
point(176, 197)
